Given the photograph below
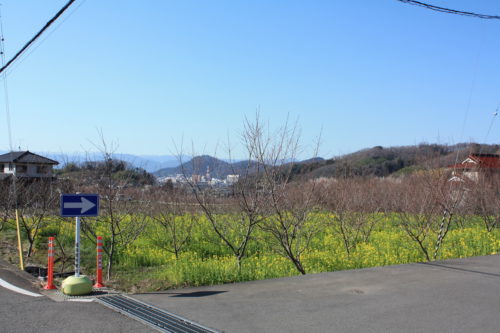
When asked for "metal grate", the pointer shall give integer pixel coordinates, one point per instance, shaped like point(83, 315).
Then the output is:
point(159, 319)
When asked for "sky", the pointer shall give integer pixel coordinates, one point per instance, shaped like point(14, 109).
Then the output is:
point(154, 75)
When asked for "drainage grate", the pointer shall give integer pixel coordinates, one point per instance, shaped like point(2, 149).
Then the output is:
point(157, 318)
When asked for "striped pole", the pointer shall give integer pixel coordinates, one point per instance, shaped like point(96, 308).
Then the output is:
point(77, 247)
point(50, 270)
point(99, 283)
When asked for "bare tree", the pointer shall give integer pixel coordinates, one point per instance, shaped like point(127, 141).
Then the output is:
point(354, 209)
point(175, 220)
point(449, 197)
point(7, 203)
point(288, 205)
point(484, 199)
point(65, 254)
point(289, 221)
point(233, 219)
point(418, 209)
point(122, 208)
point(38, 201)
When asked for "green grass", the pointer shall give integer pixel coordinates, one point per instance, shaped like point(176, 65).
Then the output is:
point(143, 266)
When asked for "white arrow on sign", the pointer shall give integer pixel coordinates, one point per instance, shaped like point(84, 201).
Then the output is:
point(84, 205)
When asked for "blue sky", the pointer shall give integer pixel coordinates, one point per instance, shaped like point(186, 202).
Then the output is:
point(148, 73)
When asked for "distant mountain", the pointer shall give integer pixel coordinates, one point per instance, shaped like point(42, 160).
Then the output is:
point(217, 168)
point(149, 163)
point(377, 161)
point(312, 160)
point(199, 165)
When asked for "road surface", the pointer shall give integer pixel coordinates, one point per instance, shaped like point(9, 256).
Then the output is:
point(21, 313)
point(460, 295)
point(452, 296)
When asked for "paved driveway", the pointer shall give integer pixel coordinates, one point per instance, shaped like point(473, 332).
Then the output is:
point(21, 313)
point(452, 296)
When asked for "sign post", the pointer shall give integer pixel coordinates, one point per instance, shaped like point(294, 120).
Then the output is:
point(78, 205)
point(77, 247)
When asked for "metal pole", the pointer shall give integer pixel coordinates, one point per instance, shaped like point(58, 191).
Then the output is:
point(77, 247)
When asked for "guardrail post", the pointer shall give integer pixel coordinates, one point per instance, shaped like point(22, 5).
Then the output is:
point(50, 268)
point(99, 283)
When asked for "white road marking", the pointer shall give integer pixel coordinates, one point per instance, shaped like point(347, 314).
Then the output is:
point(12, 287)
point(84, 300)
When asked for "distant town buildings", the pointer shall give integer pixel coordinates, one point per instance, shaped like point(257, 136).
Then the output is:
point(25, 164)
point(232, 179)
point(201, 181)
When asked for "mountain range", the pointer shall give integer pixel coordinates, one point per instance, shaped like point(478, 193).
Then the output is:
point(376, 161)
point(150, 163)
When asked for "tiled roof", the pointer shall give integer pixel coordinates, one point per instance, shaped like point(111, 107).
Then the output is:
point(25, 157)
point(487, 160)
point(474, 161)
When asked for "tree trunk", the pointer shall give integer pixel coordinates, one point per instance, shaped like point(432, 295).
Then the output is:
point(30, 247)
point(299, 266)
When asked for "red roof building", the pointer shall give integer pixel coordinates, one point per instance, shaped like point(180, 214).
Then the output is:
point(474, 164)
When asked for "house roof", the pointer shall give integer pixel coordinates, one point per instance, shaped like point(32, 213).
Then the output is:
point(475, 161)
point(25, 157)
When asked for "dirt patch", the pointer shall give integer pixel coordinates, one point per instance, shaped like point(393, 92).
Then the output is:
point(356, 291)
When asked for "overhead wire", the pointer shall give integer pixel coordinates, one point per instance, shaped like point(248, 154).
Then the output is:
point(495, 114)
point(445, 222)
point(36, 45)
point(11, 150)
point(449, 10)
point(37, 35)
point(3, 75)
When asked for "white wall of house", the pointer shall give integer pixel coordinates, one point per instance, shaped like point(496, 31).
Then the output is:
point(6, 168)
point(29, 170)
point(472, 175)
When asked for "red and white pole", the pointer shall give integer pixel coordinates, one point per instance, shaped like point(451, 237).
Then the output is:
point(50, 268)
point(99, 283)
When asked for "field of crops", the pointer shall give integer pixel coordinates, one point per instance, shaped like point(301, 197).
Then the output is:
point(145, 264)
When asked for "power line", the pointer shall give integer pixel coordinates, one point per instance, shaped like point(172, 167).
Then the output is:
point(450, 11)
point(34, 47)
point(9, 133)
point(495, 114)
point(39, 33)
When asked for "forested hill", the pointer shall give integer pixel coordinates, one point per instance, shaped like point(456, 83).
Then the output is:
point(379, 161)
point(120, 172)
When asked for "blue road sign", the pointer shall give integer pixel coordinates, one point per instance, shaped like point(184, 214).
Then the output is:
point(79, 205)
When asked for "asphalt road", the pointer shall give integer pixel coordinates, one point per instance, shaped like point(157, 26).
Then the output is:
point(452, 296)
point(20, 313)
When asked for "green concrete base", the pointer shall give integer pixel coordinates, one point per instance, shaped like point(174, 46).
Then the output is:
point(77, 286)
